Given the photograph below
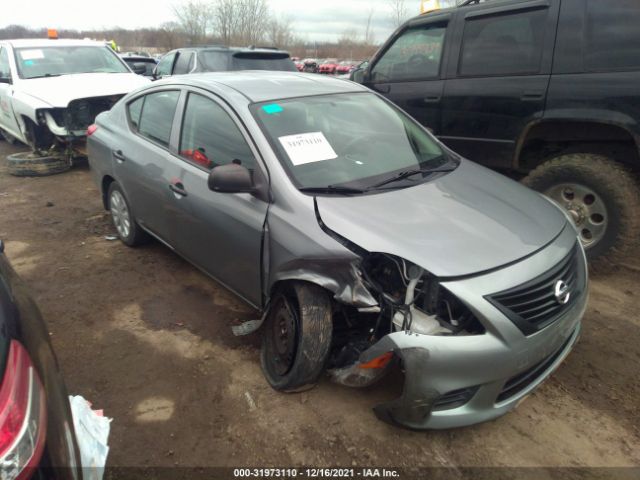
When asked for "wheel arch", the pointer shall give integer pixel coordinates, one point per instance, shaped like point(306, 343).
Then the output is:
point(547, 138)
point(105, 183)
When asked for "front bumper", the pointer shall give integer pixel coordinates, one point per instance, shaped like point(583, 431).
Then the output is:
point(481, 369)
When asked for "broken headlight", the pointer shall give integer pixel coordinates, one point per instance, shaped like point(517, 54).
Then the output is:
point(413, 300)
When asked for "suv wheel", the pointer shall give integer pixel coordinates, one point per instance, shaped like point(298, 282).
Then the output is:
point(296, 337)
point(600, 195)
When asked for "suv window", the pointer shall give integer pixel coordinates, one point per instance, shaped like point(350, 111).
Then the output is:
point(507, 44)
point(165, 64)
point(210, 137)
point(415, 55)
point(613, 35)
point(157, 114)
point(184, 64)
point(5, 70)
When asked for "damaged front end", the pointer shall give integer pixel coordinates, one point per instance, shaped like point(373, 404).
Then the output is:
point(64, 130)
point(413, 303)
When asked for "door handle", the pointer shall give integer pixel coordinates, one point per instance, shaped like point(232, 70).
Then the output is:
point(532, 96)
point(178, 188)
point(118, 155)
point(431, 99)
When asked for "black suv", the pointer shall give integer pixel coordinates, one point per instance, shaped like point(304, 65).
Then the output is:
point(549, 89)
point(222, 59)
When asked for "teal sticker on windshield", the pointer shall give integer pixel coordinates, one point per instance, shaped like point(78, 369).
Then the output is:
point(28, 62)
point(272, 108)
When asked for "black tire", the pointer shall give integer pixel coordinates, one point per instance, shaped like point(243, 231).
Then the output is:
point(30, 164)
point(310, 306)
point(10, 139)
point(616, 188)
point(133, 235)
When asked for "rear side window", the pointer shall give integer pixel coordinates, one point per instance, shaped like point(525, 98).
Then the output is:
point(157, 115)
point(612, 35)
point(509, 44)
point(415, 55)
point(135, 109)
point(210, 137)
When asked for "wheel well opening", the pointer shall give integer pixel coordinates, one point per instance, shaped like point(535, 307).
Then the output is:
point(38, 136)
point(106, 183)
point(550, 139)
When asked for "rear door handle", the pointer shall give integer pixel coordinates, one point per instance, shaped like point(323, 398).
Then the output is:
point(118, 155)
point(431, 99)
point(532, 96)
point(178, 188)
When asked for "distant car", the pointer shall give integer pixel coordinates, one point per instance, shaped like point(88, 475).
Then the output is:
point(356, 235)
point(299, 65)
point(222, 59)
point(329, 66)
point(52, 90)
point(310, 65)
point(346, 67)
point(141, 65)
point(35, 416)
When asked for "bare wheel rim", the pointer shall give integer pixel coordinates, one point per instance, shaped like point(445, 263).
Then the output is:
point(585, 207)
point(284, 336)
point(120, 214)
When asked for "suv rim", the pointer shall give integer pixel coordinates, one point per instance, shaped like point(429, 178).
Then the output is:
point(586, 209)
point(120, 214)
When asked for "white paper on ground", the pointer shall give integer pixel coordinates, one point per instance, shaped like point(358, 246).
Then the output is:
point(92, 433)
point(307, 148)
point(32, 54)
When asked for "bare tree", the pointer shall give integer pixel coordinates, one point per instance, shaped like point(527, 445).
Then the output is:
point(398, 12)
point(195, 19)
point(243, 22)
point(368, 34)
point(280, 32)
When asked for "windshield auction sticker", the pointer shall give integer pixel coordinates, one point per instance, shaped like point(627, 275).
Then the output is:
point(307, 148)
point(31, 54)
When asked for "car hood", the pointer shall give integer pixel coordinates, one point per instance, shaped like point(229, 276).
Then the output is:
point(468, 221)
point(59, 91)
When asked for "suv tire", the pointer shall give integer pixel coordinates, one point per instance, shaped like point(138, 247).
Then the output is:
point(601, 196)
point(296, 337)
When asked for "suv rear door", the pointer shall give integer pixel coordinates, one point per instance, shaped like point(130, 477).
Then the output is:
point(8, 120)
point(497, 77)
point(409, 71)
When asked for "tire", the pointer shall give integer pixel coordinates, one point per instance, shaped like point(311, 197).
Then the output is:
point(29, 164)
point(128, 229)
point(10, 139)
point(605, 201)
point(309, 307)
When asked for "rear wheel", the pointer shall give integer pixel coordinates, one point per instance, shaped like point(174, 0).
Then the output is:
point(296, 337)
point(31, 164)
point(128, 230)
point(602, 198)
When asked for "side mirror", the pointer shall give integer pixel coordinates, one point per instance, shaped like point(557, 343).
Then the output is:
point(231, 178)
point(139, 68)
point(357, 75)
point(6, 80)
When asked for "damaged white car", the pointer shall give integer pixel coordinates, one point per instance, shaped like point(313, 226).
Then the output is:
point(50, 92)
point(361, 239)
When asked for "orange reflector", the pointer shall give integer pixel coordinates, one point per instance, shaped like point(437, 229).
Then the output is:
point(52, 33)
point(378, 362)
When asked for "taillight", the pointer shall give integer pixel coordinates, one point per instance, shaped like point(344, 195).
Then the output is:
point(91, 130)
point(23, 415)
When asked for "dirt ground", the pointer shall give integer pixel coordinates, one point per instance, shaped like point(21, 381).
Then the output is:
point(145, 336)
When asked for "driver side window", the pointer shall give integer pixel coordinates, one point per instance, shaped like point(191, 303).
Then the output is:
point(415, 55)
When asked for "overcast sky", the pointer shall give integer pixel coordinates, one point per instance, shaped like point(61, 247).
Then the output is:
point(313, 19)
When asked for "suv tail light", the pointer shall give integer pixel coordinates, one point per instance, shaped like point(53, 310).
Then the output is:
point(23, 415)
point(91, 130)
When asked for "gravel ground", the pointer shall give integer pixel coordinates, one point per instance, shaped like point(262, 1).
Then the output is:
point(145, 336)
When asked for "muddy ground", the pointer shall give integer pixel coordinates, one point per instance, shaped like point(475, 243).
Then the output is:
point(146, 337)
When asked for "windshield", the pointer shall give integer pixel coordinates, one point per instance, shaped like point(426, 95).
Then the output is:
point(263, 62)
point(355, 140)
point(54, 61)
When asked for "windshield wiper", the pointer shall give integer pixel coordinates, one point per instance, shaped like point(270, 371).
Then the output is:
point(410, 173)
point(46, 75)
point(332, 189)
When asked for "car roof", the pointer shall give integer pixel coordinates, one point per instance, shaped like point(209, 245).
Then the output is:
point(223, 48)
point(264, 85)
point(45, 42)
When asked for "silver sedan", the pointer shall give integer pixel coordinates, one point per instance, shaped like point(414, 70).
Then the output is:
point(361, 240)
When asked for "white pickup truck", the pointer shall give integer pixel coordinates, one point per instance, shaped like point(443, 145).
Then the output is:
point(50, 92)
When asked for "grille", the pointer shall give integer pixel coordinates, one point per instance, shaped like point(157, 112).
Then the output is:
point(533, 305)
point(521, 381)
point(455, 398)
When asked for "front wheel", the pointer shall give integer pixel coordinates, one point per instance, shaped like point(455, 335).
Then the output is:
point(600, 195)
point(296, 337)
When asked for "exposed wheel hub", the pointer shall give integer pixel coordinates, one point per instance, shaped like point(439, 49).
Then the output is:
point(284, 337)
